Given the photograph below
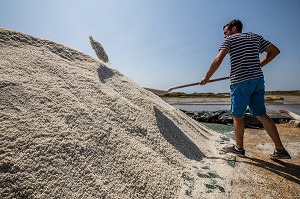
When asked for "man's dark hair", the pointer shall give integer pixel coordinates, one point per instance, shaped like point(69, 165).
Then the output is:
point(237, 23)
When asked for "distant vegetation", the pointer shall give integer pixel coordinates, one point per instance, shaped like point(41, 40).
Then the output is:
point(194, 95)
point(162, 93)
point(295, 92)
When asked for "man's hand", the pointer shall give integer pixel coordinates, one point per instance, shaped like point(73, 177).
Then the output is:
point(204, 80)
point(272, 51)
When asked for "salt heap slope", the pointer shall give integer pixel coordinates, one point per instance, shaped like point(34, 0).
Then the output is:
point(72, 127)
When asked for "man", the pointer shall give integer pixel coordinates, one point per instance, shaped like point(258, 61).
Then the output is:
point(247, 82)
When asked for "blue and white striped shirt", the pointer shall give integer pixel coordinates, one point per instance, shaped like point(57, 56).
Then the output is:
point(244, 49)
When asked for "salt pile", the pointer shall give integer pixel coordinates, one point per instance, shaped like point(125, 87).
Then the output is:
point(72, 127)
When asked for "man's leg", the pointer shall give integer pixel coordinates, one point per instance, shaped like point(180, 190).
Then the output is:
point(238, 123)
point(240, 94)
point(237, 149)
point(271, 130)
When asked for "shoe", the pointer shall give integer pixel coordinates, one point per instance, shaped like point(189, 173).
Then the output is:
point(280, 154)
point(234, 149)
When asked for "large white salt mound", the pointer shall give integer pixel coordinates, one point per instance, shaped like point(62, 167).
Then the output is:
point(71, 127)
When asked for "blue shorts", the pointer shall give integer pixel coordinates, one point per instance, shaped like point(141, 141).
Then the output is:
point(248, 93)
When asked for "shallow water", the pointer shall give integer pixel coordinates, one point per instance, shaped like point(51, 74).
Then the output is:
point(200, 104)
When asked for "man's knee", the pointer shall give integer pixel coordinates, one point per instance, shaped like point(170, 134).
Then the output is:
point(238, 119)
point(263, 117)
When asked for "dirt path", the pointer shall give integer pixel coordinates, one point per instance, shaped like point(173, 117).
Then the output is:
point(257, 176)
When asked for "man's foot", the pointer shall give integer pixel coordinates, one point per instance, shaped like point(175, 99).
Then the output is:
point(280, 154)
point(234, 149)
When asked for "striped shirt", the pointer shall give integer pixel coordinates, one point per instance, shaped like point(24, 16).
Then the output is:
point(244, 49)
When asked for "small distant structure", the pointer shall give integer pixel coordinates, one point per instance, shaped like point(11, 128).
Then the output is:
point(99, 50)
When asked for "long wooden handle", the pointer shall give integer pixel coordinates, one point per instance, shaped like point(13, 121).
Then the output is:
point(196, 83)
point(293, 115)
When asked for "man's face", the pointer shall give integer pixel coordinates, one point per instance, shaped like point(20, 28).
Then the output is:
point(227, 32)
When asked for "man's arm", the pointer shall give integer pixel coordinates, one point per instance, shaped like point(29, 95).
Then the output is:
point(272, 51)
point(214, 66)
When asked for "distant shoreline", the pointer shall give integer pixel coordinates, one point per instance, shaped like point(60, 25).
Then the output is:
point(162, 93)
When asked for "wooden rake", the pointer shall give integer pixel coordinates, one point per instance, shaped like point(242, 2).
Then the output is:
point(196, 83)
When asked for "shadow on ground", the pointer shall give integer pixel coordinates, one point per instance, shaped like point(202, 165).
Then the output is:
point(176, 137)
point(287, 170)
point(104, 73)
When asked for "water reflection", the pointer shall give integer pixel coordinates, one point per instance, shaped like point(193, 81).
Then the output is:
point(200, 104)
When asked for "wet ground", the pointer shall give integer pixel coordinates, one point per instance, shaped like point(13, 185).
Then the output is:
point(291, 103)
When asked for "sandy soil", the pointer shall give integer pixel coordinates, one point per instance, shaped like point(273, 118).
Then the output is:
point(257, 176)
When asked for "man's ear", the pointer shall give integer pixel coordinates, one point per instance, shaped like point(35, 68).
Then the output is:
point(233, 29)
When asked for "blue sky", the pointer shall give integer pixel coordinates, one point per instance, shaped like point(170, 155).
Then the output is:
point(164, 43)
